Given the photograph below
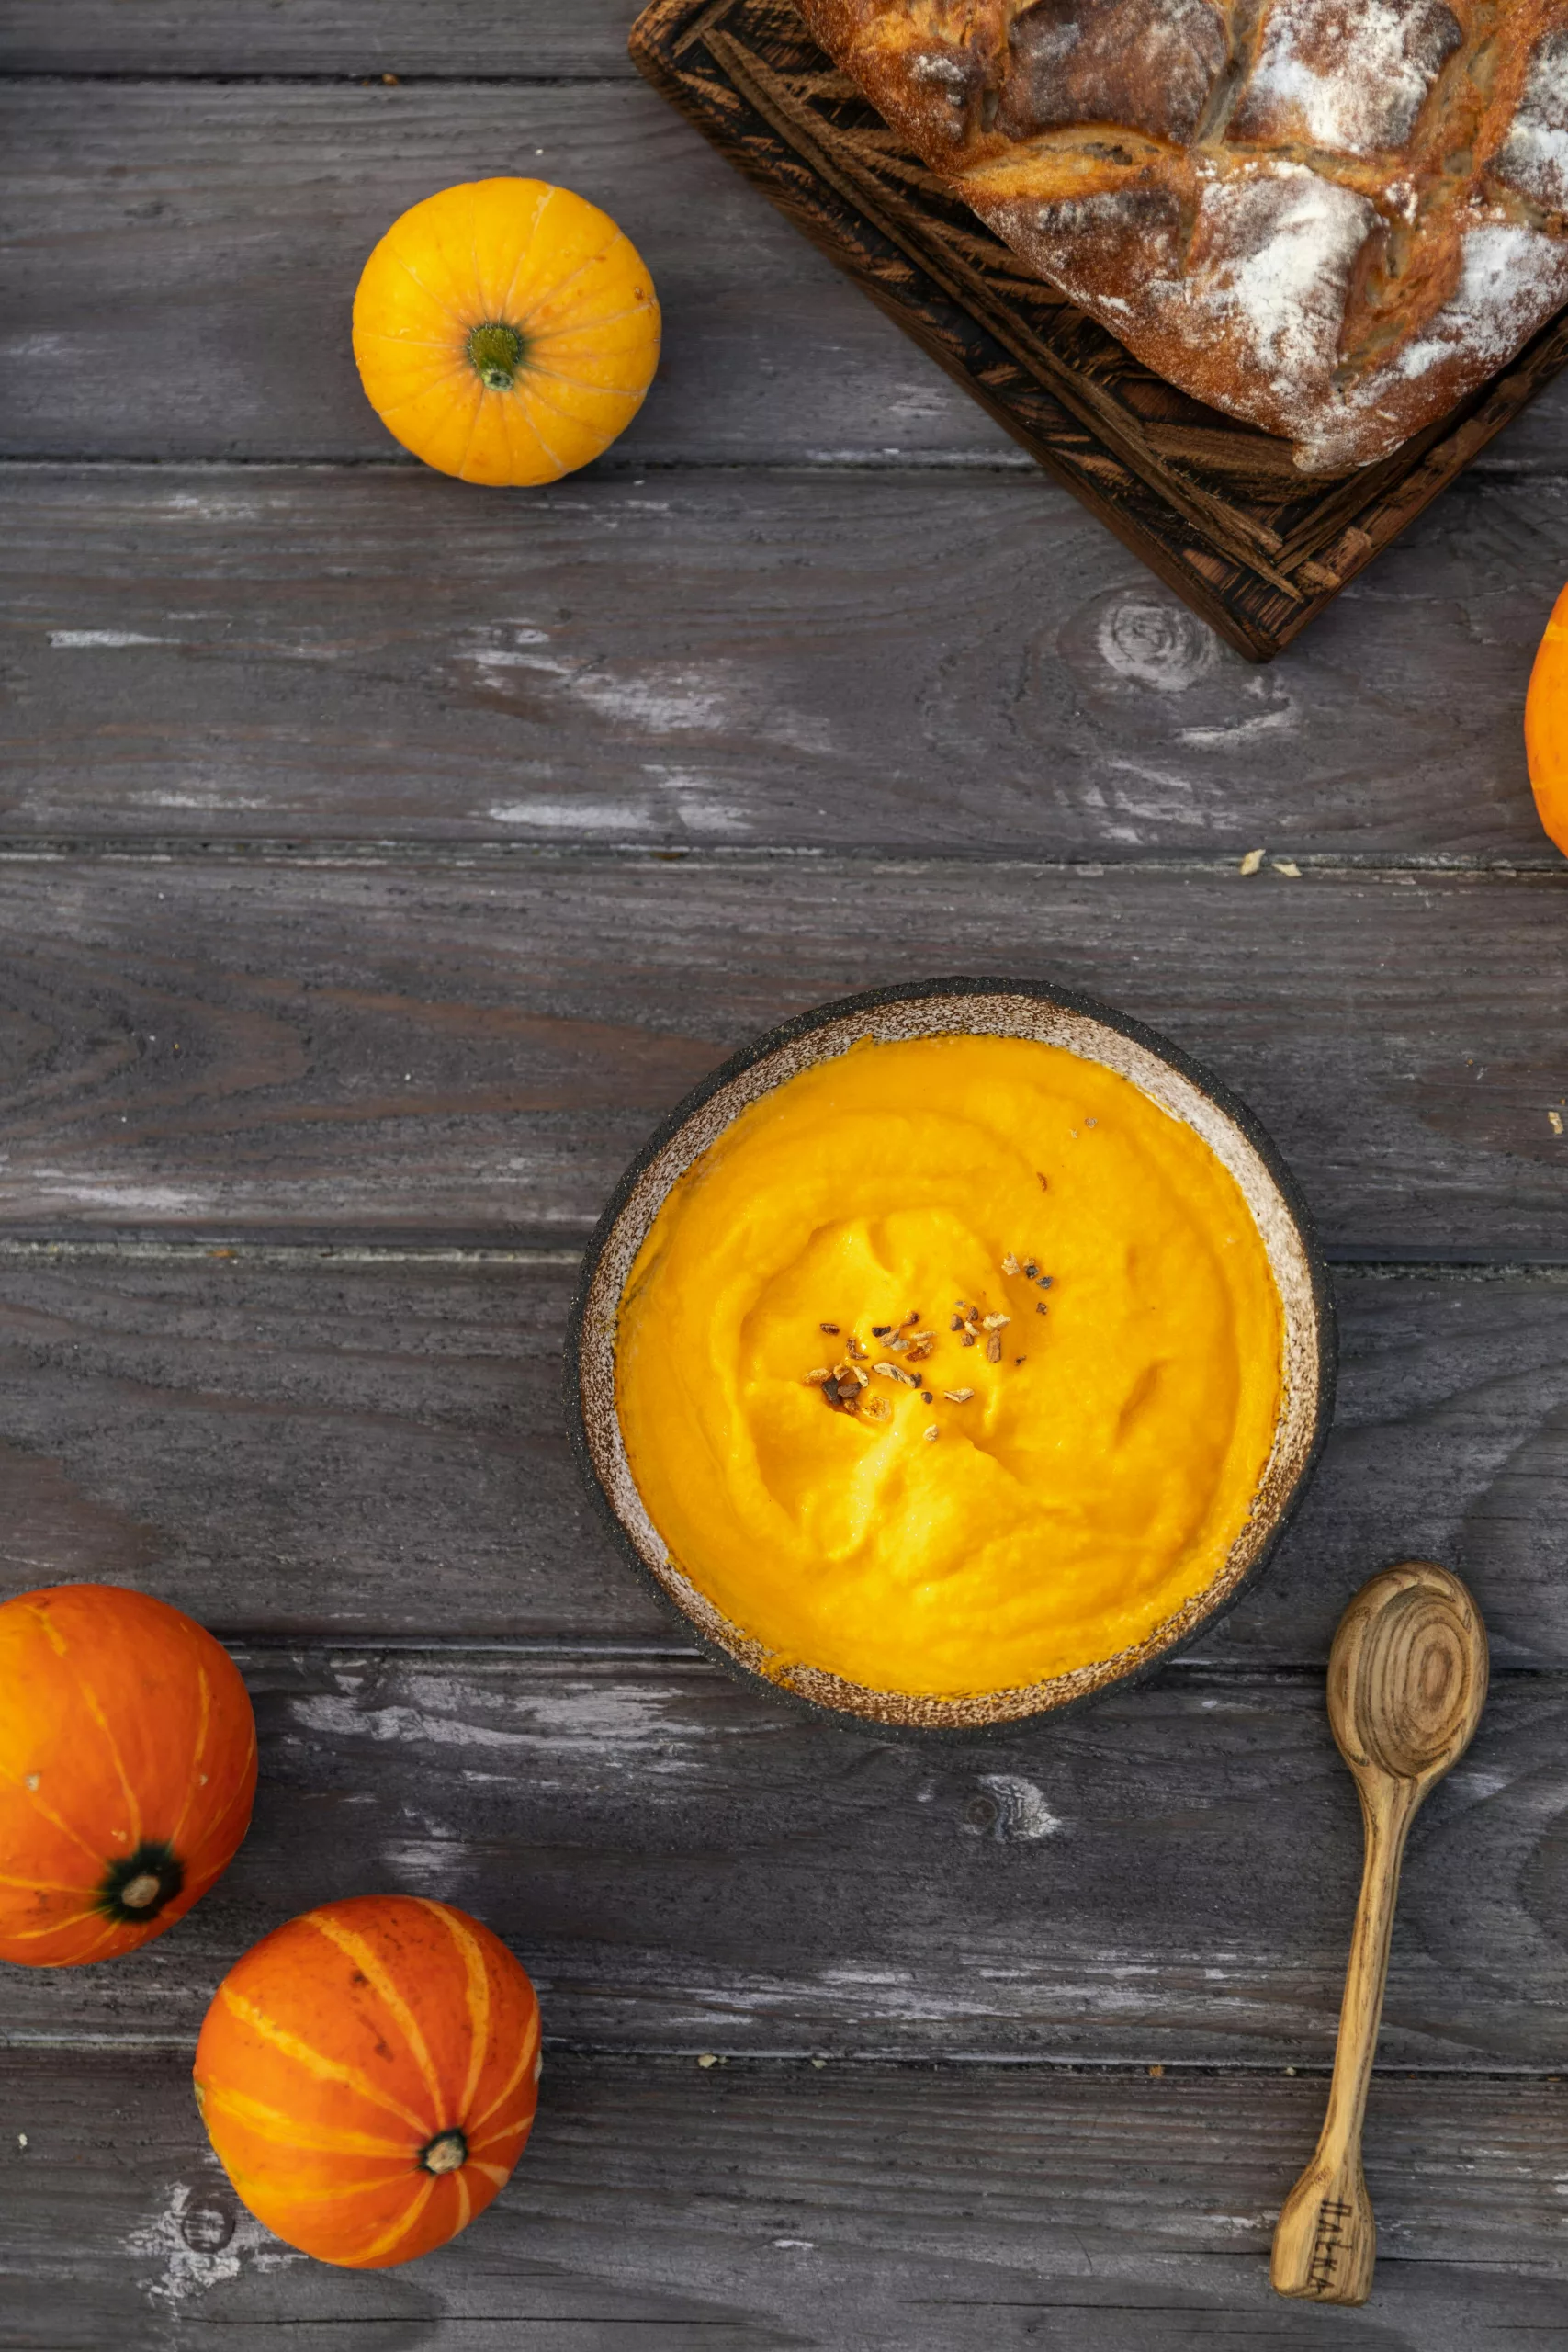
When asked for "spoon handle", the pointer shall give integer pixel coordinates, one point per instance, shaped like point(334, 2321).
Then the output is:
point(1325, 2242)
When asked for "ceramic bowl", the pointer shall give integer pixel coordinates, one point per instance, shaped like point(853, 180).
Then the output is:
point(990, 1007)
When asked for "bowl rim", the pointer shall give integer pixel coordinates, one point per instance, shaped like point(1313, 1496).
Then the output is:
point(814, 1691)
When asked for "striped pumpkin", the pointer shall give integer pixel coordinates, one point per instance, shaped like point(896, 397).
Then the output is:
point(369, 2074)
point(127, 1764)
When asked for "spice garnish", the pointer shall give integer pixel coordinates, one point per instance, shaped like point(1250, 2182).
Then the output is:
point(843, 1384)
point(815, 1379)
point(932, 1432)
point(1041, 1307)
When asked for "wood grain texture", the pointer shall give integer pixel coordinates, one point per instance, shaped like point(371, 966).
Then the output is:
point(1407, 1679)
point(758, 2206)
point(733, 659)
point(289, 1445)
point(231, 221)
point(684, 1864)
point(448, 39)
point(308, 1446)
point(454, 1047)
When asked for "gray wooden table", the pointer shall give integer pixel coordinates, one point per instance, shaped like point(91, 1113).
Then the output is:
point(380, 858)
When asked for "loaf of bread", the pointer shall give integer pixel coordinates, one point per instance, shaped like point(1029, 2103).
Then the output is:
point(1332, 217)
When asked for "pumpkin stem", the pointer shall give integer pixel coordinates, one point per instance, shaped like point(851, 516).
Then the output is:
point(495, 353)
point(446, 2152)
point(136, 1889)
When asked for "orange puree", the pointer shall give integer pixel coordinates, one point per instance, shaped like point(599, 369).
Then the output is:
point(1102, 1470)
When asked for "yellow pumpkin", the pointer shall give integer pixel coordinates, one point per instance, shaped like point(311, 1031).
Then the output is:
point(506, 331)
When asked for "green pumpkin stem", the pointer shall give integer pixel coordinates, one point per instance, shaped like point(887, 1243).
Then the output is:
point(495, 353)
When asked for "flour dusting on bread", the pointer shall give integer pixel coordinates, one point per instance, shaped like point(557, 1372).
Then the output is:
point(1351, 75)
point(1335, 219)
point(1535, 158)
point(1274, 252)
point(1503, 268)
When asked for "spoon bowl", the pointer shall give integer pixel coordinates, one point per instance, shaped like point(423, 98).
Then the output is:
point(1408, 1674)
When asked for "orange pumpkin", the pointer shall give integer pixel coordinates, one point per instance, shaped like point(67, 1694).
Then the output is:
point(1546, 725)
point(127, 1764)
point(369, 2074)
point(505, 330)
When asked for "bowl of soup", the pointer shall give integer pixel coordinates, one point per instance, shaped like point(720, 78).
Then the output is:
point(953, 1354)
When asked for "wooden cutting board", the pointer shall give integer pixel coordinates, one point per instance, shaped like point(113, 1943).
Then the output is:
point(1216, 507)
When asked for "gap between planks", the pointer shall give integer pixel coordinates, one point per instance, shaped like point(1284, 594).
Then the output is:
point(27, 2039)
point(1410, 867)
point(135, 76)
point(1549, 1272)
point(615, 467)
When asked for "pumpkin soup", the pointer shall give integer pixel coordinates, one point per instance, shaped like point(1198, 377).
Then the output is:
point(952, 1365)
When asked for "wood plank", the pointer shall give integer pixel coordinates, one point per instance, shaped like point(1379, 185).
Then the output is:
point(231, 220)
point(734, 659)
point(686, 1864)
point(756, 2206)
point(475, 1049)
point(298, 1446)
point(305, 1447)
point(452, 40)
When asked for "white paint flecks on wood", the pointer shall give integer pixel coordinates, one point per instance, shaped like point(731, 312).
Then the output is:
point(377, 653)
point(922, 2210)
point(684, 1863)
point(196, 2241)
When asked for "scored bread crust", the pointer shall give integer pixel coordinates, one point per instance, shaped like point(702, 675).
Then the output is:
point(1334, 219)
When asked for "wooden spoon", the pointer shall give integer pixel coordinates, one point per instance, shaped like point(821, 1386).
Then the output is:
point(1407, 1684)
